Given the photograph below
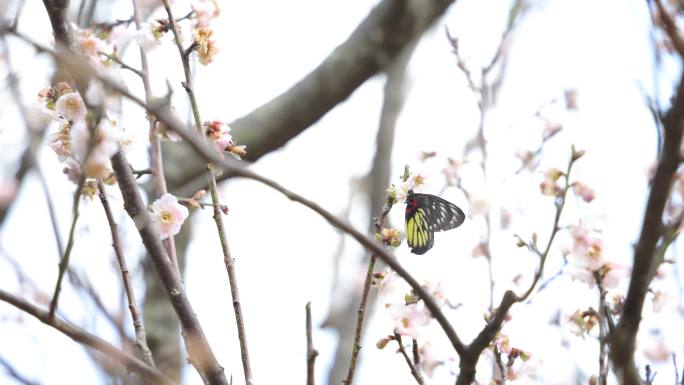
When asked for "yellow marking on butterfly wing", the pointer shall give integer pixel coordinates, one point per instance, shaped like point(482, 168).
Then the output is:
point(410, 228)
point(421, 227)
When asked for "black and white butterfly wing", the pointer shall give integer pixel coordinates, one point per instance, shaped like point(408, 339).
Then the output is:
point(442, 215)
point(426, 214)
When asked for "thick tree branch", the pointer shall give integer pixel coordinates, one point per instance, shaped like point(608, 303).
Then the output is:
point(622, 341)
point(80, 335)
point(197, 345)
point(391, 26)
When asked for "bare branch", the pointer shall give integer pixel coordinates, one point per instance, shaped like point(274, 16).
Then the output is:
point(80, 335)
point(414, 370)
point(196, 342)
point(311, 353)
point(140, 335)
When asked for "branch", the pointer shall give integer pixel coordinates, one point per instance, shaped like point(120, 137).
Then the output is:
point(80, 335)
point(378, 39)
point(670, 28)
point(140, 335)
point(64, 262)
point(196, 342)
point(311, 353)
point(414, 371)
point(622, 340)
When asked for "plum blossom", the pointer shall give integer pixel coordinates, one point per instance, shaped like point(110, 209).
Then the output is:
point(408, 319)
point(589, 263)
point(206, 48)
point(389, 237)
point(549, 185)
point(452, 171)
point(60, 142)
point(388, 284)
point(71, 106)
point(148, 37)
point(583, 191)
point(219, 134)
point(587, 248)
point(96, 153)
point(205, 11)
point(428, 359)
point(168, 215)
point(436, 291)
point(414, 182)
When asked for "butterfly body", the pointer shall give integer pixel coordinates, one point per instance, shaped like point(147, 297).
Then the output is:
point(426, 214)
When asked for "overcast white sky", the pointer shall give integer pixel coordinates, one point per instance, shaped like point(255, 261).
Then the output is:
point(284, 252)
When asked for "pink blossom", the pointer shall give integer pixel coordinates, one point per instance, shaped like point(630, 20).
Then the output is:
point(409, 318)
point(451, 172)
point(147, 37)
point(587, 249)
point(205, 11)
point(106, 144)
point(219, 134)
point(72, 170)
point(583, 191)
point(551, 128)
point(388, 284)
point(612, 273)
point(549, 185)
point(71, 106)
point(428, 360)
point(436, 290)
point(168, 215)
point(60, 142)
point(90, 45)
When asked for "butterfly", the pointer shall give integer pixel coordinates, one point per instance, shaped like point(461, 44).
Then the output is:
point(425, 214)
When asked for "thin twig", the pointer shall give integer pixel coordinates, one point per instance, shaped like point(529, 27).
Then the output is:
point(414, 370)
point(676, 370)
point(156, 159)
point(140, 335)
point(12, 372)
point(311, 353)
point(64, 263)
point(81, 336)
point(361, 313)
point(121, 63)
point(603, 333)
point(500, 365)
point(213, 190)
point(416, 354)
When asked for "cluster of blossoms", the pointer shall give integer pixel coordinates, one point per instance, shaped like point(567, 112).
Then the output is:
point(517, 363)
point(203, 12)
point(84, 150)
point(588, 261)
point(410, 182)
point(409, 313)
